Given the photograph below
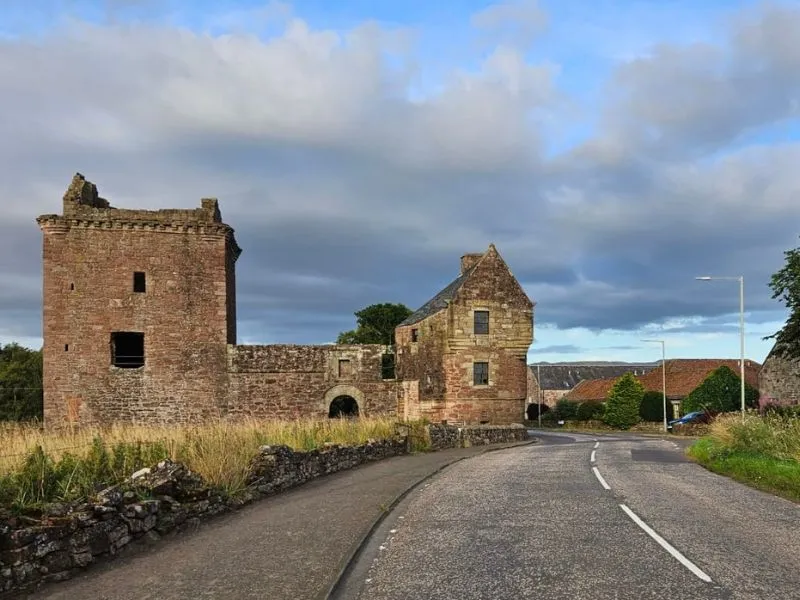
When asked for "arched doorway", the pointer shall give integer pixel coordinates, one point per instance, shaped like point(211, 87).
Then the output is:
point(343, 406)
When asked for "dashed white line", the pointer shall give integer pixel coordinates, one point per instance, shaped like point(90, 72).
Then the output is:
point(600, 478)
point(592, 457)
point(596, 445)
point(665, 544)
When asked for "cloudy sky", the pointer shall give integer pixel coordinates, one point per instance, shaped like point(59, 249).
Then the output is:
point(612, 150)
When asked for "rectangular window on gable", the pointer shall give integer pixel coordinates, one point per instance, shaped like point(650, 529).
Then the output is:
point(480, 373)
point(127, 349)
point(481, 325)
point(139, 283)
point(414, 335)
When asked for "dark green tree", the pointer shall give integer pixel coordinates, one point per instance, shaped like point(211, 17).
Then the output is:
point(375, 324)
point(623, 403)
point(652, 408)
point(785, 285)
point(720, 391)
point(21, 394)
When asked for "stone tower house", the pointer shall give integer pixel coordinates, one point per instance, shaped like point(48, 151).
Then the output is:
point(463, 355)
point(139, 307)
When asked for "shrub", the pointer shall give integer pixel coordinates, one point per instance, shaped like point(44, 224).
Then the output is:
point(624, 400)
point(782, 410)
point(533, 411)
point(721, 392)
point(566, 409)
point(589, 410)
point(652, 408)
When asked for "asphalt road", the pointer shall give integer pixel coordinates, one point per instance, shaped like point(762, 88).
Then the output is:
point(581, 516)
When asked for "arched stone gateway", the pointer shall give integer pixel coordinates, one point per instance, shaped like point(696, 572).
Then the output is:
point(343, 406)
point(344, 401)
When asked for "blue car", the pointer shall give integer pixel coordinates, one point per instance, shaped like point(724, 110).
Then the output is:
point(698, 416)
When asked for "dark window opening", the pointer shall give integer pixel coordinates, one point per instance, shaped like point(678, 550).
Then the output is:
point(387, 366)
point(481, 322)
point(66, 347)
point(480, 373)
point(71, 287)
point(344, 368)
point(127, 349)
point(139, 283)
point(342, 407)
point(414, 336)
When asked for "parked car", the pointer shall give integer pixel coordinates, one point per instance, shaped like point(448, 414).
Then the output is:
point(693, 418)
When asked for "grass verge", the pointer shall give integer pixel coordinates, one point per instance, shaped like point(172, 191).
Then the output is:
point(38, 466)
point(761, 452)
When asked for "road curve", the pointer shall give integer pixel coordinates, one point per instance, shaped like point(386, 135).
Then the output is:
point(620, 517)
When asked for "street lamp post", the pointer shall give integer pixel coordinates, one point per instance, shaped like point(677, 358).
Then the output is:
point(740, 279)
point(539, 394)
point(663, 377)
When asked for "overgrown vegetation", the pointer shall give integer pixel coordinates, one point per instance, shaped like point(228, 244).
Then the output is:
point(761, 451)
point(566, 409)
point(624, 401)
point(721, 391)
point(590, 410)
point(785, 285)
point(38, 467)
point(652, 407)
point(375, 324)
point(20, 383)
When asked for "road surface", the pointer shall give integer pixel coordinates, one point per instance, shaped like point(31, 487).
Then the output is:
point(579, 516)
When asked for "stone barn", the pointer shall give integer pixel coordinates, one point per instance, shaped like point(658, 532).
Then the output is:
point(139, 326)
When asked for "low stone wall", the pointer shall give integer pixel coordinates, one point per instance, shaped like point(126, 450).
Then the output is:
point(452, 436)
point(169, 497)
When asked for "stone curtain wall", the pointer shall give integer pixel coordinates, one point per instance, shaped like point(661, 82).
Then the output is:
point(779, 380)
point(291, 381)
point(452, 436)
point(77, 536)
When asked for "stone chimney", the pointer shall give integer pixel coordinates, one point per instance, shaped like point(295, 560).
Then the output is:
point(469, 260)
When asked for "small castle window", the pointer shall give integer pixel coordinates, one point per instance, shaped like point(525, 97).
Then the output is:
point(480, 373)
point(66, 347)
point(344, 368)
point(139, 283)
point(414, 335)
point(127, 349)
point(71, 287)
point(387, 366)
point(481, 324)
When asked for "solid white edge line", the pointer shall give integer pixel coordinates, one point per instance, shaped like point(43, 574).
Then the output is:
point(592, 457)
point(600, 478)
point(666, 545)
point(596, 445)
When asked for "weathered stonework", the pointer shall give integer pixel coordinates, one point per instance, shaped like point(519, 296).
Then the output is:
point(158, 288)
point(450, 436)
point(779, 379)
point(439, 346)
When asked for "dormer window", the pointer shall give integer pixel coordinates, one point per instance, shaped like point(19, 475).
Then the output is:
point(481, 324)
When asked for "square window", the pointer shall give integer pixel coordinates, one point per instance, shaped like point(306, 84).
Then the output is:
point(139, 283)
point(481, 325)
point(127, 349)
point(480, 373)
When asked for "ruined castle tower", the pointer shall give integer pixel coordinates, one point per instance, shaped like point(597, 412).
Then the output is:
point(139, 307)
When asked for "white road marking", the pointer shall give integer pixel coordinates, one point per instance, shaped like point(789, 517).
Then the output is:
point(596, 445)
point(600, 478)
point(666, 545)
point(592, 457)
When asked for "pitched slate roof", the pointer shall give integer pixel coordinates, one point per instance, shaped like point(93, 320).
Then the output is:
point(439, 301)
point(682, 375)
point(567, 376)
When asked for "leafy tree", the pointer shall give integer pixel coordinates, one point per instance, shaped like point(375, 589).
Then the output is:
point(720, 391)
point(21, 395)
point(566, 409)
point(785, 285)
point(375, 324)
point(624, 400)
point(652, 408)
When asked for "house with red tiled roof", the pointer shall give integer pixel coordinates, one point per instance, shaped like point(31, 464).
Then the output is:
point(683, 375)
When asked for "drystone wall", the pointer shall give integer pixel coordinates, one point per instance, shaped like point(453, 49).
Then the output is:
point(69, 538)
point(451, 436)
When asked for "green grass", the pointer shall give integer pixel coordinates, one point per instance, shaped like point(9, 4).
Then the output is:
point(760, 452)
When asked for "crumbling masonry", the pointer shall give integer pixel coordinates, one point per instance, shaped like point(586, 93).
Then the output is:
point(139, 319)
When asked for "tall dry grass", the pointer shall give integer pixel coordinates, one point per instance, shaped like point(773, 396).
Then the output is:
point(39, 465)
point(770, 435)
